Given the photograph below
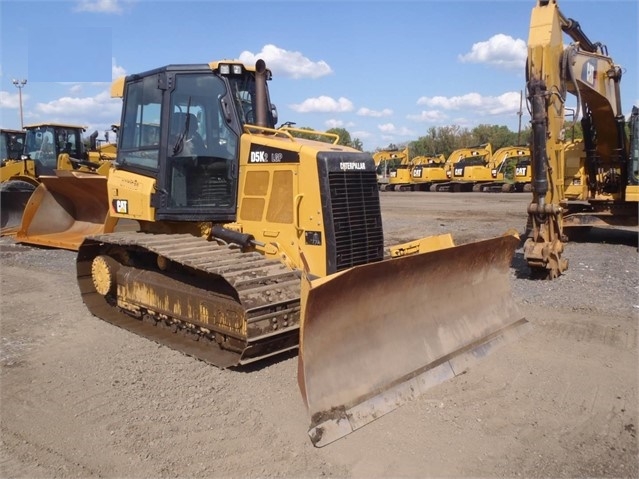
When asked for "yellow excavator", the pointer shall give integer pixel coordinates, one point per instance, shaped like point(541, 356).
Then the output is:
point(386, 161)
point(399, 173)
point(54, 155)
point(606, 192)
point(511, 170)
point(416, 173)
point(425, 171)
point(457, 163)
point(253, 242)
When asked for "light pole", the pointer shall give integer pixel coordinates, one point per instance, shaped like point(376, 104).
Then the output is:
point(19, 85)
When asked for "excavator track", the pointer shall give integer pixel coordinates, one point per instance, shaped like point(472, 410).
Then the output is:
point(210, 301)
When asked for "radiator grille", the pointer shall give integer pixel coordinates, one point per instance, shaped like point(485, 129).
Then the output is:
point(355, 209)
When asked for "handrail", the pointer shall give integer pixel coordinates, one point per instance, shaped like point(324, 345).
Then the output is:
point(285, 131)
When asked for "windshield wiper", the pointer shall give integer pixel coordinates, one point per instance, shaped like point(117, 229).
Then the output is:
point(179, 143)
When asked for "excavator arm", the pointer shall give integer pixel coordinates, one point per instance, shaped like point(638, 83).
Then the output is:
point(584, 70)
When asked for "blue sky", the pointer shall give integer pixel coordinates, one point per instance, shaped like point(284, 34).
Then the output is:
point(387, 71)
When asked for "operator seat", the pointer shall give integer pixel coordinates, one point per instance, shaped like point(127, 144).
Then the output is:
point(193, 143)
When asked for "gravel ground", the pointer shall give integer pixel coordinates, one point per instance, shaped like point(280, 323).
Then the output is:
point(81, 398)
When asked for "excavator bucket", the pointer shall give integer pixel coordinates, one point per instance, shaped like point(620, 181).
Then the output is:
point(378, 335)
point(66, 208)
point(14, 196)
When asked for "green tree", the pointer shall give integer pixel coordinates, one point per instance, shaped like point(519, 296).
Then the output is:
point(311, 135)
point(344, 136)
point(357, 144)
point(497, 136)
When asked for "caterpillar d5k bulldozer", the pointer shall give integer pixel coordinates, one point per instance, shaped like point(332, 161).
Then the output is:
point(47, 147)
point(253, 242)
point(606, 193)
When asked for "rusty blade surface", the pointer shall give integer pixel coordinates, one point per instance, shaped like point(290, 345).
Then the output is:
point(12, 204)
point(66, 208)
point(378, 335)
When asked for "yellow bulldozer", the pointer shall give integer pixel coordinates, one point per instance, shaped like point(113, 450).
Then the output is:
point(253, 241)
point(575, 184)
point(46, 147)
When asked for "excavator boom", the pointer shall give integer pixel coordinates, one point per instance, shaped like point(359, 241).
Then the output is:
point(604, 189)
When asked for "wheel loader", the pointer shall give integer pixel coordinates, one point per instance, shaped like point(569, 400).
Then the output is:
point(11, 144)
point(47, 147)
point(589, 183)
point(253, 242)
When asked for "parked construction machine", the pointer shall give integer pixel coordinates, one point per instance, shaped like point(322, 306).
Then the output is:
point(386, 161)
point(607, 190)
point(459, 162)
point(11, 144)
point(414, 174)
point(45, 148)
point(399, 174)
point(253, 242)
point(51, 151)
point(510, 171)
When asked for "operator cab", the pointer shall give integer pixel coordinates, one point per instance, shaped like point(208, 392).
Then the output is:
point(11, 144)
point(181, 124)
point(44, 142)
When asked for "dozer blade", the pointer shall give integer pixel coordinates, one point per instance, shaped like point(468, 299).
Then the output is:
point(66, 208)
point(376, 336)
point(14, 196)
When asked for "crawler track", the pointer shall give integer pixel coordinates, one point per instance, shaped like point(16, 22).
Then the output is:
point(210, 301)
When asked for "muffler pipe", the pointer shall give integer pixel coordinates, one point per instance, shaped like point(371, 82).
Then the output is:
point(261, 117)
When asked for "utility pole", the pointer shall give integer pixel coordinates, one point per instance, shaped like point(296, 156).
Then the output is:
point(19, 85)
point(520, 113)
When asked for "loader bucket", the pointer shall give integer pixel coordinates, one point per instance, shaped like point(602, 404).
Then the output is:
point(14, 196)
point(376, 336)
point(66, 208)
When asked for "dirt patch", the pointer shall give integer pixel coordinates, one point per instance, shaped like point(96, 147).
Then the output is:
point(81, 398)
